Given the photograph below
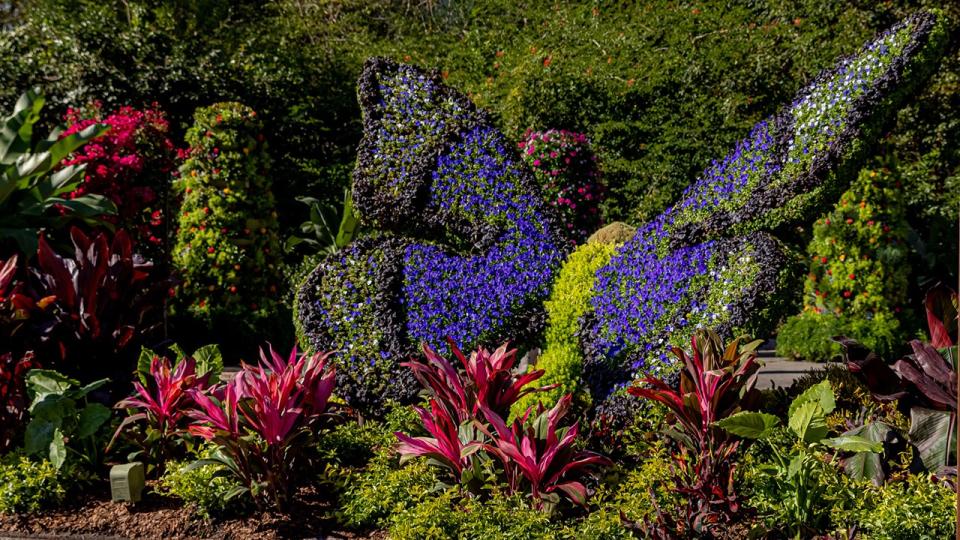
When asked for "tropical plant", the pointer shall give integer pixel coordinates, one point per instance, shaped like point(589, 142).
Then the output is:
point(490, 380)
point(538, 455)
point(263, 422)
point(13, 396)
point(924, 384)
point(63, 422)
point(455, 407)
point(796, 474)
point(468, 431)
point(319, 233)
point(716, 382)
point(162, 406)
point(104, 302)
point(34, 187)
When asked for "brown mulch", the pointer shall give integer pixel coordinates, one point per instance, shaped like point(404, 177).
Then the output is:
point(92, 515)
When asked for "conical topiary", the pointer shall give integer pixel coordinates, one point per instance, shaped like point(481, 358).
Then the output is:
point(859, 273)
point(227, 246)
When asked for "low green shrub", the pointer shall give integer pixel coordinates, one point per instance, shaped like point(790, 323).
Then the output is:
point(385, 488)
point(502, 517)
point(916, 509)
point(28, 485)
point(209, 494)
point(859, 274)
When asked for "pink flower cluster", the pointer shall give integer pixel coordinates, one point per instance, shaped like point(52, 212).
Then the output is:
point(566, 168)
point(130, 165)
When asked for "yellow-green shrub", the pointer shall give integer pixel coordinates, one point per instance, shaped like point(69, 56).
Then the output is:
point(569, 300)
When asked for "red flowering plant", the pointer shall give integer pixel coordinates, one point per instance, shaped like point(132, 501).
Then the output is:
point(566, 168)
point(131, 165)
point(263, 421)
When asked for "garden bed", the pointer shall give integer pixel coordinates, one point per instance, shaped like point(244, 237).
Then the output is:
point(92, 515)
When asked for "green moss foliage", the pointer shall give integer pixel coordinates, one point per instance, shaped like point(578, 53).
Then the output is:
point(227, 246)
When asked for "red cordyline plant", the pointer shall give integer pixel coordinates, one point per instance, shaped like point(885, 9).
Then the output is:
point(162, 405)
point(13, 396)
point(538, 454)
point(105, 302)
point(715, 382)
point(464, 421)
point(490, 380)
point(263, 420)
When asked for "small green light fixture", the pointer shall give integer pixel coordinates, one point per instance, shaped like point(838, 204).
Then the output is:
point(127, 481)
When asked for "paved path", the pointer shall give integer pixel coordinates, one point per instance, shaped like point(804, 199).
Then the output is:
point(780, 372)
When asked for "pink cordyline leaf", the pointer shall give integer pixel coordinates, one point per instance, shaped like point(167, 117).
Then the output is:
point(445, 445)
point(543, 460)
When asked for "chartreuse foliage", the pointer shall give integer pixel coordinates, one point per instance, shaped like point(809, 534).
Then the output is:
point(431, 166)
point(569, 301)
point(227, 246)
point(28, 485)
point(859, 273)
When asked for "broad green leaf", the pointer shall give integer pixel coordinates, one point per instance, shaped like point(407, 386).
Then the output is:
point(16, 131)
point(209, 360)
point(38, 436)
point(43, 382)
point(853, 443)
point(820, 393)
point(752, 425)
point(87, 388)
point(809, 422)
point(91, 418)
point(796, 464)
point(143, 365)
point(54, 408)
point(58, 449)
point(868, 465)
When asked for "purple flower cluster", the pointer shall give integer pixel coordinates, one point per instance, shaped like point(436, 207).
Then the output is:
point(784, 169)
point(475, 249)
point(477, 297)
point(683, 269)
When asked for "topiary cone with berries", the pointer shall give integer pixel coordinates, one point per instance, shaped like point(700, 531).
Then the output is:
point(858, 275)
point(227, 248)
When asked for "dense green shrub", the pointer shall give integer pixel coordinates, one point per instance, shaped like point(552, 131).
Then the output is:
point(385, 488)
point(569, 300)
point(915, 509)
point(227, 250)
point(27, 485)
point(859, 273)
point(210, 494)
